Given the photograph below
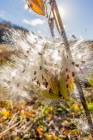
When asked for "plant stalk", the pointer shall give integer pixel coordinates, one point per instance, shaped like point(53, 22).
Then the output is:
point(76, 78)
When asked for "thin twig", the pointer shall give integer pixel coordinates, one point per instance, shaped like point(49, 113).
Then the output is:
point(4, 132)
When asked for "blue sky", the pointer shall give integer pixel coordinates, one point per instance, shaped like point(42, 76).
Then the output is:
point(77, 16)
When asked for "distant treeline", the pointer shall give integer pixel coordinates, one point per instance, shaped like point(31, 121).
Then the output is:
point(5, 26)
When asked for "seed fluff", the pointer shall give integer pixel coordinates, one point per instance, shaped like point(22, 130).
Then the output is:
point(42, 66)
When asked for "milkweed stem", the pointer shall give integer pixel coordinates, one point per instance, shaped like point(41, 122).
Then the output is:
point(76, 78)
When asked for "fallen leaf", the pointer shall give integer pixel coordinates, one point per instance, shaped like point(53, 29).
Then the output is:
point(23, 114)
point(75, 107)
point(39, 130)
point(5, 113)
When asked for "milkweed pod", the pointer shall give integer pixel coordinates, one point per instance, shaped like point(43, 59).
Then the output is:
point(53, 82)
point(66, 84)
point(37, 6)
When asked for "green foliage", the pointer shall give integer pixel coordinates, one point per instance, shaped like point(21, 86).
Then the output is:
point(90, 81)
point(90, 106)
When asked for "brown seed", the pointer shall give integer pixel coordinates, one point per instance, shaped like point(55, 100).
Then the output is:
point(83, 61)
point(67, 85)
point(27, 51)
point(59, 94)
point(46, 84)
point(25, 55)
point(73, 74)
point(34, 72)
point(77, 65)
point(50, 90)
point(67, 76)
point(73, 63)
point(42, 77)
point(17, 85)
point(35, 78)
point(40, 68)
point(66, 69)
point(39, 53)
point(38, 83)
point(23, 71)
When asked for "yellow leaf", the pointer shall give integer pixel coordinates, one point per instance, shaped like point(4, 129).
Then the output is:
point(49, 117)
point(37, 6)
point(50, 108)
point(23, 114)
point(5, 113)
point(75, 107)
point(50, 137)
point(29, 113)
point(66, 132)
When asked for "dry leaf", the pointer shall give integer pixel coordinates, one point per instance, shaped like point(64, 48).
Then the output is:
point(23, 114)
point(39, 130)
point(5, 113)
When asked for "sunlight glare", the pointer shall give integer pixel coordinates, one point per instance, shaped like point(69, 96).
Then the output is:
point(62, 11)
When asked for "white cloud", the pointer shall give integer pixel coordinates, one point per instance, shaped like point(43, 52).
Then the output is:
point(34, 22)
